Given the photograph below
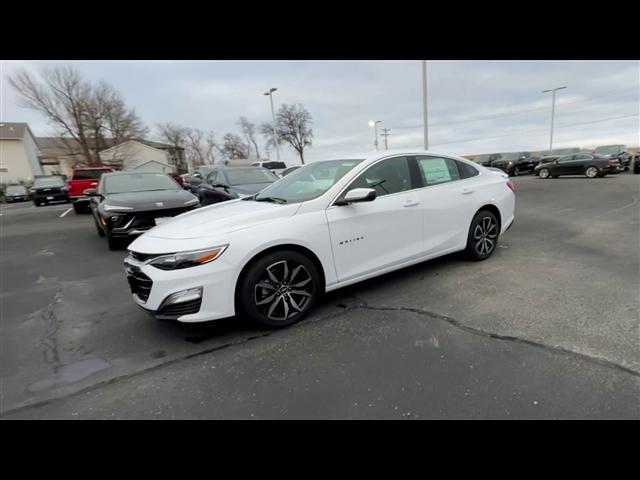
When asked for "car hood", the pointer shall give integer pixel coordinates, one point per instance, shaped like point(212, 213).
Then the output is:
point(152, 200)
point(219, 219)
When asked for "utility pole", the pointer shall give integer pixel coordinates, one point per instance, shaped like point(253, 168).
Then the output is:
point(374, 124)
point(424, 104)
point(553, 111)
point(385, 134)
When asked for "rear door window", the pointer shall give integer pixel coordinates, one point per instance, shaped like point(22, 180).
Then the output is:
point(437, 170)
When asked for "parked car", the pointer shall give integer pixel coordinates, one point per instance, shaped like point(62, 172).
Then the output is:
point(636, 163)
point(616, 151)
point(226, 183)
point(275, 166)
point(333, 223)
point(17, 193)
point(516, 163)
point(288, 170)
point(487, 159)
point(83, 178)
point(47, 189)
point(178, 178)
point(587, 164)
point(195, 179)
point(126, 204)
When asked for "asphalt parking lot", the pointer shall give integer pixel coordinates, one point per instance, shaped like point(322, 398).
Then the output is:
point(547, 328)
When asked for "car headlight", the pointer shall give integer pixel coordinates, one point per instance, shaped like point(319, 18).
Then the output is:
point(193, 201)
point(115, 208)
point(187, 259)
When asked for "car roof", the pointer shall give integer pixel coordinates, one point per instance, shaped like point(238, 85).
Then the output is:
point(133, 172)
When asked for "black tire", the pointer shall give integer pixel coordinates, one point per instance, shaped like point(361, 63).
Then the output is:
point(37, 204)
point(555, 176)
point(100, 231)
point(113, 243)
point(482, 239)
point(290, 302)
point(79, 208)
point(591, 172)
point(544, 173)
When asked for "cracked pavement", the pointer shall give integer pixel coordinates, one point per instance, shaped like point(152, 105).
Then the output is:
point(546, 328)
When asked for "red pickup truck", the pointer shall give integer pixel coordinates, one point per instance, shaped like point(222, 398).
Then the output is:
point(83, 178)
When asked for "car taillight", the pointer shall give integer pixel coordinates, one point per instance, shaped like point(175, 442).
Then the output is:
point(511, 186)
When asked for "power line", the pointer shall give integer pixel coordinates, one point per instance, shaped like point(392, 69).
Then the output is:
point(529, 132)
point(611, 93)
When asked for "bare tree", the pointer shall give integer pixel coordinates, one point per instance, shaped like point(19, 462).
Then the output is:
point(233, 147)
point(176, 136)
point(78, 110)
point(212, 146)
point(248, 129)
point(195, 148)
point(293, 127)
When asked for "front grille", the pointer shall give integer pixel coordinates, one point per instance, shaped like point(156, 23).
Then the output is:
point(147, 219)
point(143, 257)
point(140, 284)
point(178, 309)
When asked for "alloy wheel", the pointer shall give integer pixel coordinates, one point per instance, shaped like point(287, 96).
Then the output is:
point(283, 290)
point(544, 173)
point(484, 236)
point(591, 172)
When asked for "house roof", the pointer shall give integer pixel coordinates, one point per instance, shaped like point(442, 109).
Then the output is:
point(71, 143)
point(10, 130)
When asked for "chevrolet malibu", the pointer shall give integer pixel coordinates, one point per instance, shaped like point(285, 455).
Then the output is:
point(327, 225)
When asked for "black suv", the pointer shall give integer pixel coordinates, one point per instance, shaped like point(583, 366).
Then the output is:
point(487, 159)
point(616, 151)
point(516, 163)
point(48, 189)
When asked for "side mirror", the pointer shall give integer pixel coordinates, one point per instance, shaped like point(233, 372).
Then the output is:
point(91, 192)
point(357, 195)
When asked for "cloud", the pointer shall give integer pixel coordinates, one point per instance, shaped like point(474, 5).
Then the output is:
point(471, 103)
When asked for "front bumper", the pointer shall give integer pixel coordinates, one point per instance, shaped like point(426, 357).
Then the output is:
point(50, 197)
point(79, 199)
point(217, 280)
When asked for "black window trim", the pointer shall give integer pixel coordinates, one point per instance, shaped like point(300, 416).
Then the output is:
point(390, 157)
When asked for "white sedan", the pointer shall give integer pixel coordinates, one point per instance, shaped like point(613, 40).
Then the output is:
point(322, 227)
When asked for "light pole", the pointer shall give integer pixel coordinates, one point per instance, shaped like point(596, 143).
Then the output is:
point(424, 104)
point(273, 121)
point(374, 124)
point(553, 111)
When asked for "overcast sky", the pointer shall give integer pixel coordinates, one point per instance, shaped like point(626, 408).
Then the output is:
point(599, 106)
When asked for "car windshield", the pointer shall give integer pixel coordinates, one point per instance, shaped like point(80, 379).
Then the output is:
point(247, 176)
point(16, 190)
point(88, 174)
point(608, 149)
point(309, 182)
point(48, 182)
point(510, 156)
point(138, 182)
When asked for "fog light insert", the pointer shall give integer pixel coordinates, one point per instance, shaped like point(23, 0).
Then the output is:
point(183, 296)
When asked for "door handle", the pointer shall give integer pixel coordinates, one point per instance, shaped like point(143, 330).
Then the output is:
point(467, 191)
point(411, 203)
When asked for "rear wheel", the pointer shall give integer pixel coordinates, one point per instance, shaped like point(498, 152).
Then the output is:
point(543, 173)
point(279, 289)
point(79, 208)
point(591, 172)
point(483, 235)
point(516, 171)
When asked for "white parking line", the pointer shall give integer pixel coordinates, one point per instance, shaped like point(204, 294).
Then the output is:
point(66, 211)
